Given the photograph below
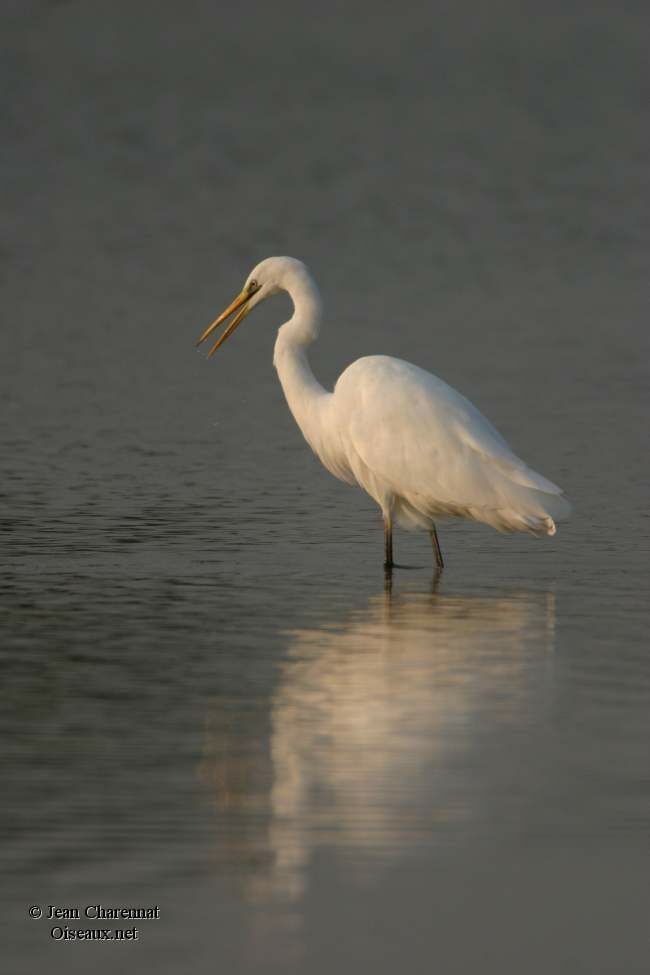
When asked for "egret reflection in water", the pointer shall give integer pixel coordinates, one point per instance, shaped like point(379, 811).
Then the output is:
point(381, 735)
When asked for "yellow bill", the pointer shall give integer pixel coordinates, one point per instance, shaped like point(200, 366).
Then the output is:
point(241, 303)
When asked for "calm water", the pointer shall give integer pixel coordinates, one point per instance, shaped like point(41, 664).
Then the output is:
point(211, 702)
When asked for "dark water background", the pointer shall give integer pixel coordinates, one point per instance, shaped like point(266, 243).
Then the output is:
point(209, 700)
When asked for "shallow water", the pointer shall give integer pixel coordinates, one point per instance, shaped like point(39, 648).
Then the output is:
point(211, 699)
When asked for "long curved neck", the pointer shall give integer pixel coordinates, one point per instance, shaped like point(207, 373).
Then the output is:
point(306, 397)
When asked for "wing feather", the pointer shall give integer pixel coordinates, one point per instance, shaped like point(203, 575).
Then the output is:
point(426, 439)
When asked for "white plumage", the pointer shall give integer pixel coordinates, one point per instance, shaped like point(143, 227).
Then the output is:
point(411, 438)
point(414, 444)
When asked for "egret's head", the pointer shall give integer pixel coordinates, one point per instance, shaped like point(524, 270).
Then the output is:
point(270, 276)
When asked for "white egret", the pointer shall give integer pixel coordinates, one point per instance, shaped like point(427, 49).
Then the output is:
point(414, 444)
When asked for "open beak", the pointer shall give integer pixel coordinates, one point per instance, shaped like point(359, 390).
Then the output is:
point(241, 303)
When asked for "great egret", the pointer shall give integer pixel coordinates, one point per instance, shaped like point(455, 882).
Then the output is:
point(414, 444)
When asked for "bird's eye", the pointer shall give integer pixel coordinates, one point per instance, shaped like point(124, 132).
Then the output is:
point(252, 286)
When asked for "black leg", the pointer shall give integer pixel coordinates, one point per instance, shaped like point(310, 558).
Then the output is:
point(388, 544)
point(435, 582)
point(436, 547)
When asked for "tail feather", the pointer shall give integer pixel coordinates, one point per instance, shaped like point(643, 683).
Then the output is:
point(536, 512)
